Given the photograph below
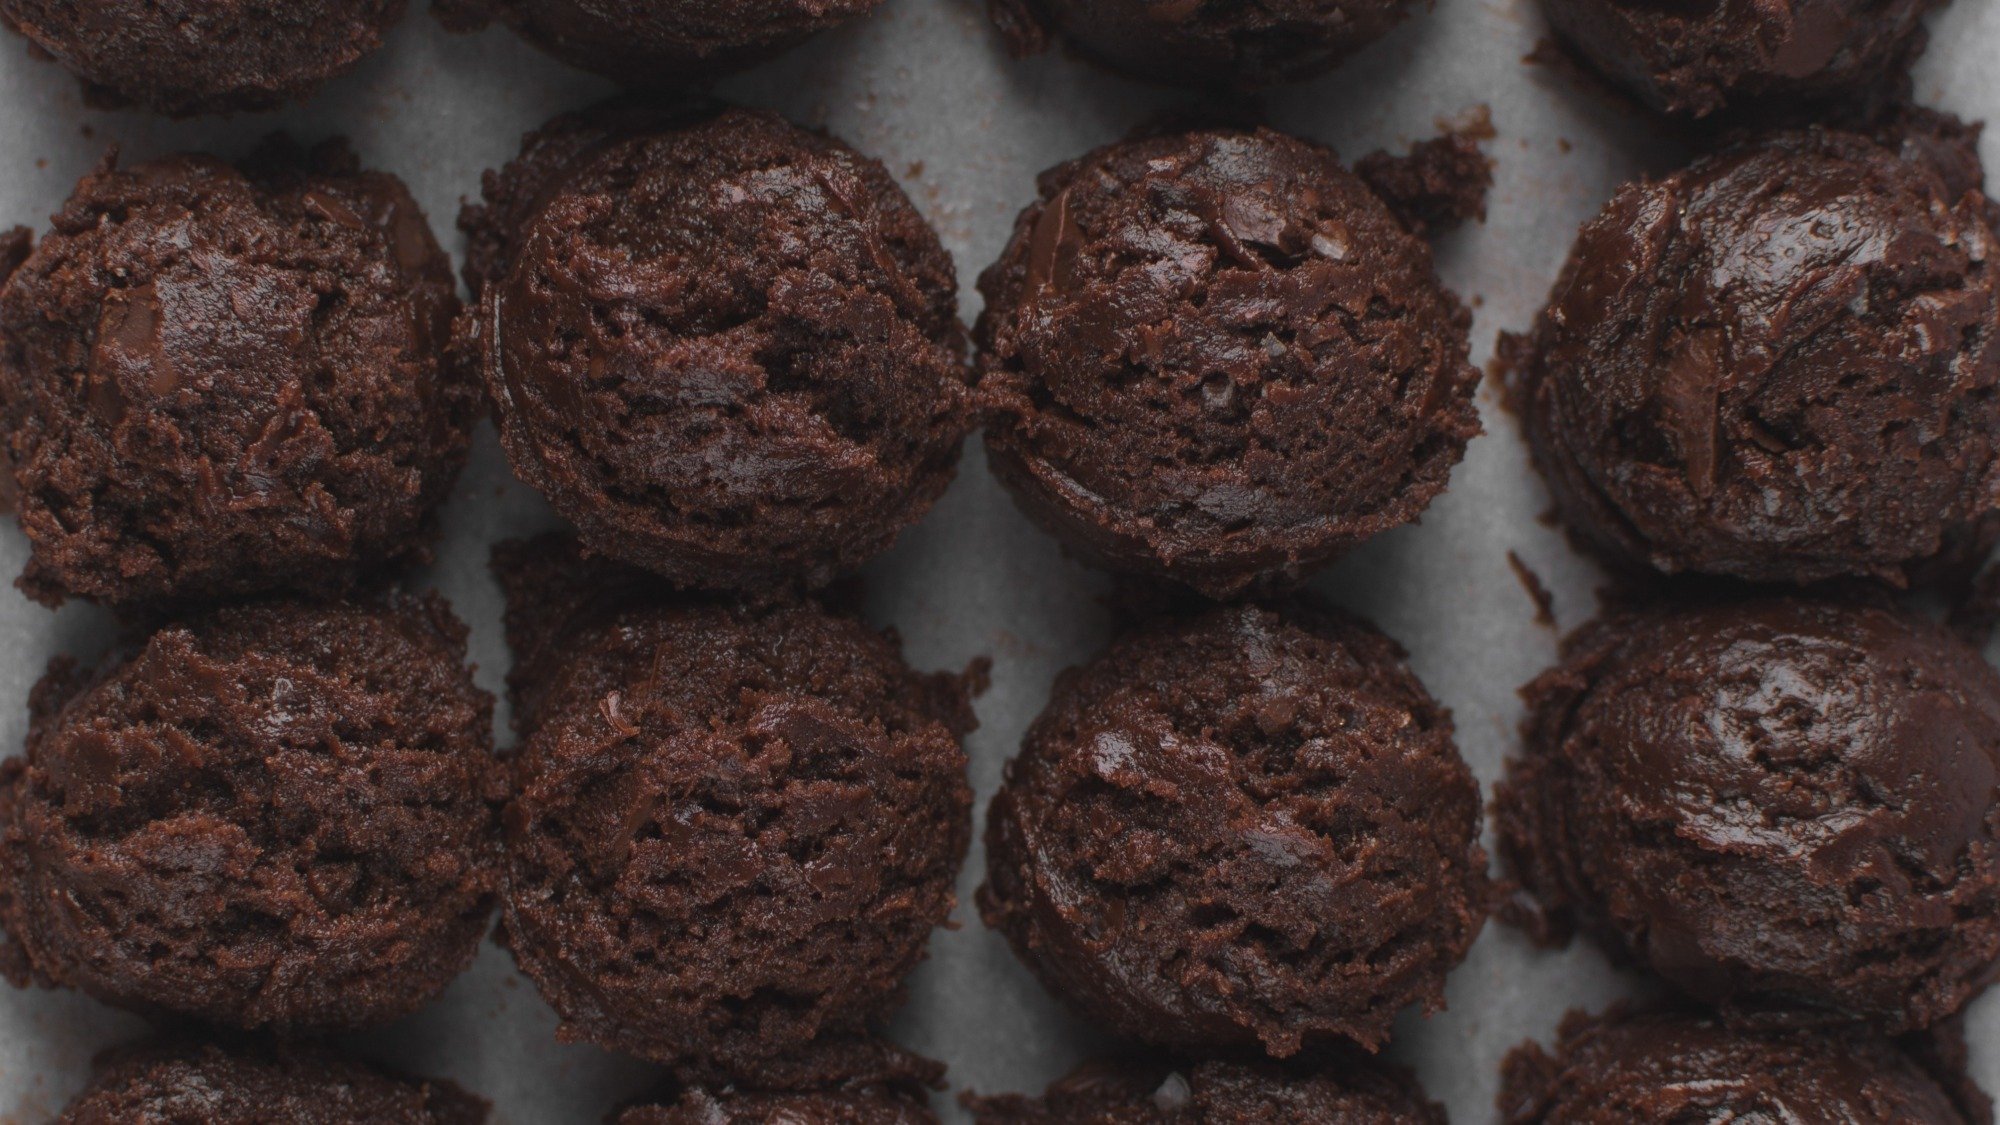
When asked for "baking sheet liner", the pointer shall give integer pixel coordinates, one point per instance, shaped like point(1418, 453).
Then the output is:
point(925, 86)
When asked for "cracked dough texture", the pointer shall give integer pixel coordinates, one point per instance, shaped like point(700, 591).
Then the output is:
point(657, 46)
point(838, 1107)
point(183, 57)
point(1669, 1067)
point(1775, 804)
point(1216, 358)
point(218, 382)
point(1348, 1090)
point(727, 349)
point(1703, 59)
point(1240, 829)
point(280, 817)
point(1240, 44)
point(864, 1081)
point(734, 826)
point(1781, 363)
point(171, 1083)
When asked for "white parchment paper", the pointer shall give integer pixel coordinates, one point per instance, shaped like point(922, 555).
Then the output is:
point(925, 86)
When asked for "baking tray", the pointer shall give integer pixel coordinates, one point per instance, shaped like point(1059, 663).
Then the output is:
point(926, 86)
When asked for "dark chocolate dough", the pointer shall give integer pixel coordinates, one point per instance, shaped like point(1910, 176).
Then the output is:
point(1240, 829)
point(734, 826)
point(1216, 358)
point(1352, 1091)
point(1698, 59)
point(1784, 807)
point(1439, 183)
point(1226, 43)
point(1671, 1068)
point(651, 44)
point(726, 349)
point(835, 1108)
point(184, 57)
point(276, 817)
point(216, 383)
point(873, 1084)
point(192, 1083)
point(1781, 363)
point(15, 245)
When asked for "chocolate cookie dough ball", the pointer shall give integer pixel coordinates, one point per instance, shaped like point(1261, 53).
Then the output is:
point(837, 1108)
point(1666, 1068)
point(279, 817)
point(1353, 1092)
point(653, 45)
point(1780, 364)
point(1240, 829)
point(216, 383)
point(184, 57)
point(875, 1084)
point(818, 1108)
point(1216, 358)
point(190, 1082)
point(1698, 59)
point(734, 827)
point(1774, 804)
point(727, 349)
point(1228, 43)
